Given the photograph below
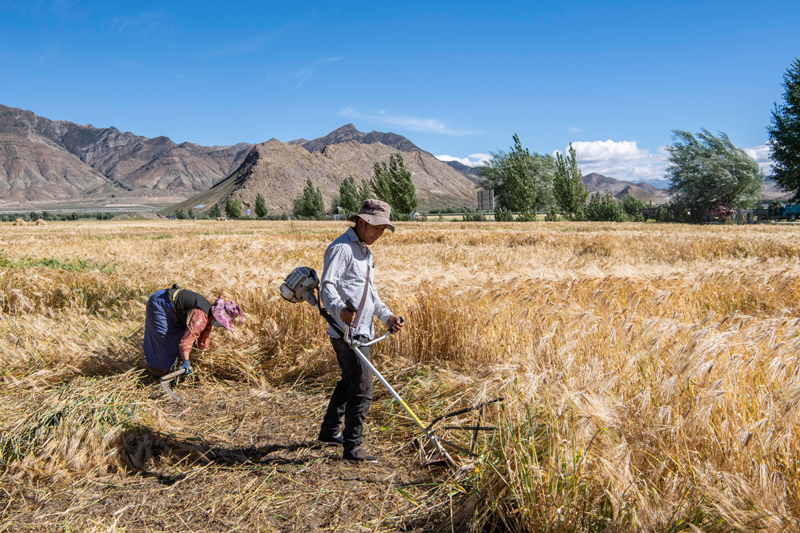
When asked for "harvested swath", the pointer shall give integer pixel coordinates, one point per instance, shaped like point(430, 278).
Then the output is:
point(78, 429)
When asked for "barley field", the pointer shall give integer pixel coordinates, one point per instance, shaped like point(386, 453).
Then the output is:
point(649, 377)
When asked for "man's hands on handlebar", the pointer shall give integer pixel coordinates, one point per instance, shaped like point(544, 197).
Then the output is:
point(394, 324)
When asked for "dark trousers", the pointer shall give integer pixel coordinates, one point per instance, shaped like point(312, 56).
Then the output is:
point(352, 396)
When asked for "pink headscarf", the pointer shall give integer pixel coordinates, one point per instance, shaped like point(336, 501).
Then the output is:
point(225, 312)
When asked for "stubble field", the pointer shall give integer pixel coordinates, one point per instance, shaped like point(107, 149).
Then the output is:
point(649, 376)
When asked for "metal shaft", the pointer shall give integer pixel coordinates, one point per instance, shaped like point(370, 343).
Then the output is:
point(408, 410)
point(394, 394)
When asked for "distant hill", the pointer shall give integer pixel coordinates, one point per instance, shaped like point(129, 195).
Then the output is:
point(644, 191)
point(348, 132)
point(649, 193)
point(470, 172)
point(47, 161)
point(278, 171)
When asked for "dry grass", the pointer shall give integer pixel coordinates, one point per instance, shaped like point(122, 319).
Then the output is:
point(650, 375)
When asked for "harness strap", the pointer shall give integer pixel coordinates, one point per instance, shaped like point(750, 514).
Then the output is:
point(363, 299)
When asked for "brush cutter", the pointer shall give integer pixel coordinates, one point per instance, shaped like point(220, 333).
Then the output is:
point(164, 382)
point(301, 286)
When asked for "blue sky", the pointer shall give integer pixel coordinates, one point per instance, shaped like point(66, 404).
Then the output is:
point(457, 78)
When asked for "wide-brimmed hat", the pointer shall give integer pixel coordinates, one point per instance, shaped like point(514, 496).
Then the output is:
point(374, 212)
point(225, 312)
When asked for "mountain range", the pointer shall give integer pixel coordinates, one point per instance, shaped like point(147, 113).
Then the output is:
point(45, 161)
point(56, 164)
point(278, 171)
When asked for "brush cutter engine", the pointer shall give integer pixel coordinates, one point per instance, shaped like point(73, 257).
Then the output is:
point(299, 286)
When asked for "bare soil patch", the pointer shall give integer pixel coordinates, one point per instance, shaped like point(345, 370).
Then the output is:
point(252, 464)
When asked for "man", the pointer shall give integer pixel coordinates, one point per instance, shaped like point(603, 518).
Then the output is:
point(175, 319)
point(348, 275)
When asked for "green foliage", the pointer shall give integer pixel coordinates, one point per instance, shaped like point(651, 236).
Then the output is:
point(708, 172)
point(527, 216)
point(180, 214)
point(349, 197)
point(632, 206)
point(393, 185)
point(190, 214)
point(603, 208)
point(233, 208)
point(309, 203)
point(502, 214)
point(261, 207)
point(675, 211)
point(78, 265)
point(784, 134)
point(551, 215)
point(568, 187)
point(521, 181)
point(364, 191)
point(214, 212)
point(470, 215)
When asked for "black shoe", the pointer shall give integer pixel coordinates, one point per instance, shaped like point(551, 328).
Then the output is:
point(327, 439)
point(359, 455)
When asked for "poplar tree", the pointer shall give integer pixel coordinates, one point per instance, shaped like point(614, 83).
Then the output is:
point(309, 203)
point(233, 208)
point(784, 134)
point(392, 184)
point(349, 197)
point(261, 206)
point(568, 187)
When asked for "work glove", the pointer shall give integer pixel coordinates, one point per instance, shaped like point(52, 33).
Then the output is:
point(186, 366)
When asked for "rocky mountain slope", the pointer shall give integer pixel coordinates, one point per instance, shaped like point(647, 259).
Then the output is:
point(348, 132)
point(278, 171)
point(53, 161)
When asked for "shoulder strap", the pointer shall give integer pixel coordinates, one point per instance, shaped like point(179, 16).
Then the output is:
point(363, 298)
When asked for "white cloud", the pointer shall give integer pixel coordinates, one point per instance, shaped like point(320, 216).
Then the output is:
point(305, 73)
point(761, 154)
point(472, 160)
point(252, 43)
point(622, 160)
point(148, 24)
point(424, 125)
